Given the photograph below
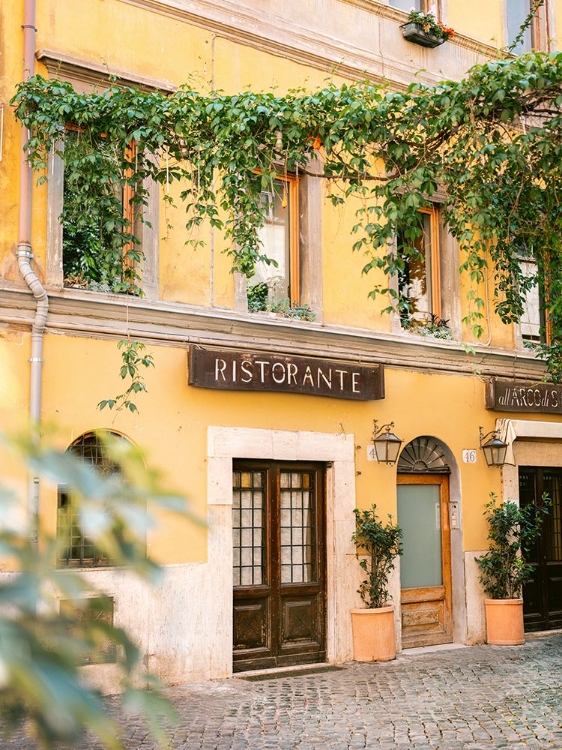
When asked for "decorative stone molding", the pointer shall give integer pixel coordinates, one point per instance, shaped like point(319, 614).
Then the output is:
point(338, 451)
point(511, 430)
point(91, 75)
point(112, 316)
point(344, 53)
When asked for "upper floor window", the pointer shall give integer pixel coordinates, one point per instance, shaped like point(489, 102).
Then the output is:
point(98, 255)
point(76, 550)
point(424, 5)
point(100, 249)
point(533, 36)
point(278, 281)
point(419, 285)
point(533, 321)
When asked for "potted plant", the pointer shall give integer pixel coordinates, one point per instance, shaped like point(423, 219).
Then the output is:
point(377, 546)
point(512, 532)
point(424, 29)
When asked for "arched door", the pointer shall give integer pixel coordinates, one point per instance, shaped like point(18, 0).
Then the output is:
point(425, 566)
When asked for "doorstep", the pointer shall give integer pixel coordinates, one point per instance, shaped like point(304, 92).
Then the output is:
point(422, 650)
point(294, 671)
point(542, 634)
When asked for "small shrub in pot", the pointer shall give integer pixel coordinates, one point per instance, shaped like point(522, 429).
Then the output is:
point(377, 546)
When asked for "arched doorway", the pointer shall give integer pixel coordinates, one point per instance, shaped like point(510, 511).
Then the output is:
point(425, 566)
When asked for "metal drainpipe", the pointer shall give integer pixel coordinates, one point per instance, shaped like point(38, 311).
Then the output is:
point(24, 255)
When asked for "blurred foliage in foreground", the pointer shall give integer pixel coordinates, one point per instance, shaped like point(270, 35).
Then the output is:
point(43, 643)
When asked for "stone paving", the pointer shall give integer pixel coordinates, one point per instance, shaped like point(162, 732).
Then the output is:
point(471, 698)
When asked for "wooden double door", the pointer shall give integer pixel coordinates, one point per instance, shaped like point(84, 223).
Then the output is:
point(425, 566)
point(542, 596)
point(279, 564)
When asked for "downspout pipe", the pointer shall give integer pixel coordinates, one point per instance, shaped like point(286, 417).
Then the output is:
point(24, 255)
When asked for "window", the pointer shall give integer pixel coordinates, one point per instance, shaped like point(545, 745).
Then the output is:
point(76, 549)
point(532, 323)
point(98, 249)
point(419, 285)
point(278, 281)
point(423, 5)
point(533, 37)
point(66, 252)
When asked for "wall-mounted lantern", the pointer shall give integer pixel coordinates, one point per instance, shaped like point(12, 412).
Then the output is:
point(493, 447)
point(386, 444)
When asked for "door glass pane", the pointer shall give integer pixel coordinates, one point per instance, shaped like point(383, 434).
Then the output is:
point(419, 517)
point(527, 493)
point(247, 526)
point(297, 528)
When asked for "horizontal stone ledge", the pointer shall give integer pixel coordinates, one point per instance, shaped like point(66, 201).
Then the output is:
point(173, 324)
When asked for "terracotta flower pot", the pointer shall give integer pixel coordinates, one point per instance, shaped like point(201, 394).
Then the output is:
point(373, 634)
point(504, 622)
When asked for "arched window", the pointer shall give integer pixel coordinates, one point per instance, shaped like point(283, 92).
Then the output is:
point(423, 455)
point(76, 550)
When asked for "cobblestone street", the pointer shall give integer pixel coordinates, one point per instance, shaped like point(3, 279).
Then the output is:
point(471, 698)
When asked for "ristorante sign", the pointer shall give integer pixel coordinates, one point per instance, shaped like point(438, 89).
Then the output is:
point(505, 395)
point(249, 371)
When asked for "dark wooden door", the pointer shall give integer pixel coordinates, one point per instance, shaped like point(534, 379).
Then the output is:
point(542, 596)
point(425, 566)
point(278, 564)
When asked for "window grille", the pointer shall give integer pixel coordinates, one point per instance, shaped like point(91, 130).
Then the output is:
point(76, 550)
point(248, 508)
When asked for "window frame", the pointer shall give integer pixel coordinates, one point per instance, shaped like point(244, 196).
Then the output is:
point(290, 187)
point(66, 526)
point(308, 225)
point(86, 76)
point(545, 327)
point(539, 28)
point(81, 448)
point(292, 183)
point(435, 296)
point(131, 214)
point(425, 7)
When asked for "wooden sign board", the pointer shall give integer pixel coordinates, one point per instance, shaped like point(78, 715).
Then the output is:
point(250, 371)
point(505, 395)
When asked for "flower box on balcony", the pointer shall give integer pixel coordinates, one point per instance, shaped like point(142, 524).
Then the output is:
point(415, 33)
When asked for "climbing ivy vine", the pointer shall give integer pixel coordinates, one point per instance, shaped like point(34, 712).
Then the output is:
point(490, 143)
point(133, 357)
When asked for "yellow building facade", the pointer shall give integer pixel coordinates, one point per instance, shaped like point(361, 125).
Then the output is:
point(262, 419)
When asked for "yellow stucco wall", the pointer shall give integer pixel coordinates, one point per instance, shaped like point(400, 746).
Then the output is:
point(171, 426)
point(173, 419)
point(154, 49)
point(481, 19)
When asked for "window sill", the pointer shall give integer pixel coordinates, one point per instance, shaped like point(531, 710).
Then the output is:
point(76, 312)
point(306, 317)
